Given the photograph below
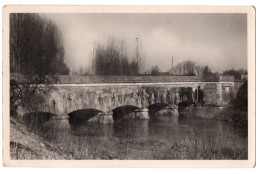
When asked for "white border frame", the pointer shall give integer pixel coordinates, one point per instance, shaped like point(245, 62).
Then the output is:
point(131, 9)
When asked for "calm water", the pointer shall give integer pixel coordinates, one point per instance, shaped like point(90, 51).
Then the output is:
point(160, 133)
point(160, 137)
point(165, 126)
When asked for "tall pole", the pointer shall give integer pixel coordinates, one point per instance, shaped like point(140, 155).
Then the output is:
point(93, 62)
point(137, 52)
point(172, 62)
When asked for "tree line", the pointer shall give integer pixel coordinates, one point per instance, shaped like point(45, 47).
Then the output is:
point(111, 59)
point(35, 46)
point(236, 73)
point(36, 52)
point(190, 68)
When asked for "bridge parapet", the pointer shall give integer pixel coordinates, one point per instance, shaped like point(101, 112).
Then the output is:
point(69, 79)
point(125, 79)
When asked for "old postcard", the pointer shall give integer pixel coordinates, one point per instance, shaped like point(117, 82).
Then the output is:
point(129, 86)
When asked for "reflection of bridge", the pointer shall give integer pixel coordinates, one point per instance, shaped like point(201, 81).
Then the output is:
point(109, 93)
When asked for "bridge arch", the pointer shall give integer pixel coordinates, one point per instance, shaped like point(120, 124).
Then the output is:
point(122, 111)
point(157, 109)
point(83, 116)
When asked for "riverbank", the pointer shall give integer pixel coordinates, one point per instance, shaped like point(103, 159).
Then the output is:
point(25, 145)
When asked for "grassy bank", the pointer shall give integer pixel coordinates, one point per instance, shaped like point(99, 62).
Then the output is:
point(27, 145)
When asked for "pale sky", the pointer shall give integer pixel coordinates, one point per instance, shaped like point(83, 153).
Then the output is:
point(216, 40)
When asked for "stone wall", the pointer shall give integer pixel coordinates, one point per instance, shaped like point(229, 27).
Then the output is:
point(210, 93)
point(107, 98)
point(66, 99)
point(219, 94)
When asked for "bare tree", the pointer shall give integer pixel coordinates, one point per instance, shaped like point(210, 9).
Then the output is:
point(155, 70)
point(199, 70)
point(184, 68)
point(111, 59)
point(36, 52)
point(35, 46)
point(190, 68)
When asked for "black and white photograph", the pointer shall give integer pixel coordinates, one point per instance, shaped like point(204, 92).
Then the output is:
point(136, 85)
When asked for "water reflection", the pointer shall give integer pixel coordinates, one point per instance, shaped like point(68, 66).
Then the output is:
point(160, 126)
point(159, 135)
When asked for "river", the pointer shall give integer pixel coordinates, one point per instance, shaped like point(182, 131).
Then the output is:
point(162, 126)
point(160, 137)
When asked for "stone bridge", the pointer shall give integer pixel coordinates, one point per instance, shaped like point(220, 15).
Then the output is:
point(73, 93)
point(107, 93)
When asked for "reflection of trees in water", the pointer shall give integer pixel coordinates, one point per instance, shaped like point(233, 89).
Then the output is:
point(125, 126)
point(124, 119)
point(34, 121)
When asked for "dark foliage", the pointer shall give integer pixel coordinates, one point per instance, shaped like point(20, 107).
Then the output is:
point(36, 57)
point(35, 46)
point(236, 73)
point(28, 91)
point(207, 72)
point(240, 106)
point(241, 101)
point(237, 110)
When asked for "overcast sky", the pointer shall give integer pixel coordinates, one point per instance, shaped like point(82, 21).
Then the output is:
point(216, 40)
